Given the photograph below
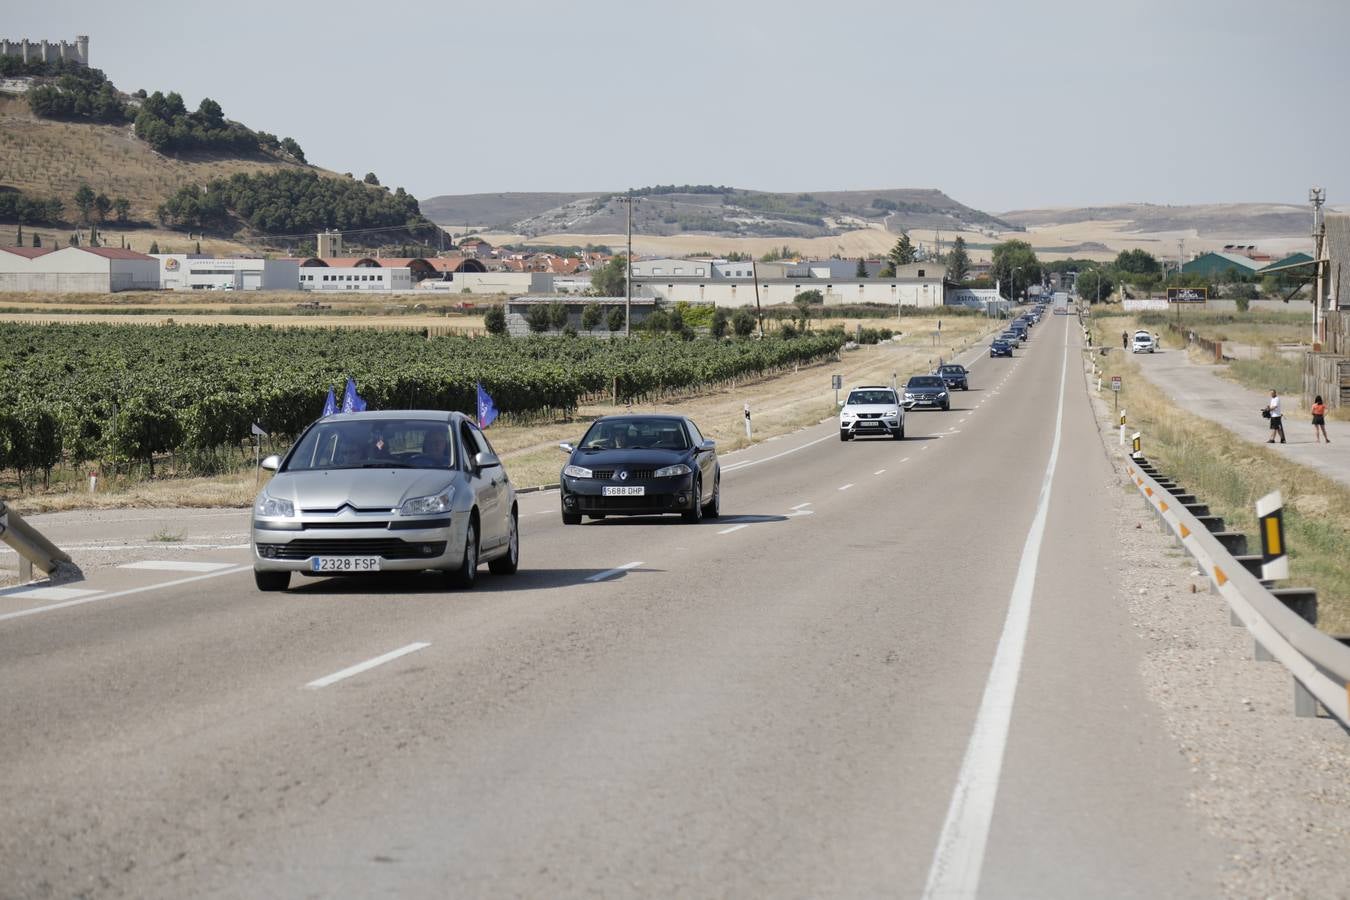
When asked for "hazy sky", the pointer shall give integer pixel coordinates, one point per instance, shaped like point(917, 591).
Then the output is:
point(1004, 104)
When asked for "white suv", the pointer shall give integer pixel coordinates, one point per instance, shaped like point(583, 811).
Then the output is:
point(871, 410)
point(1143, 343)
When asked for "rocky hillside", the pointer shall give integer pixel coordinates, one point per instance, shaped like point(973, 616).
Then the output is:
point(1257, 220)
point(707, 209)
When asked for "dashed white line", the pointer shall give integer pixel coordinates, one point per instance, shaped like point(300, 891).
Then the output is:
point(610, 573)
point(734, 528)
point(367, 665)
point(906, 459)
point(846, 487)
point(879, 472)
point(802, 505)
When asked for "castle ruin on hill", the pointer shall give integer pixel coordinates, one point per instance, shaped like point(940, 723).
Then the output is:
point(48, 51)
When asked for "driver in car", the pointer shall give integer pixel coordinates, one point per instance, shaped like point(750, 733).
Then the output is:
point(436, 446)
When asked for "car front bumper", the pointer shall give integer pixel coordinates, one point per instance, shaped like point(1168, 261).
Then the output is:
point(400, 546)
point(586, 496)
point(865, 427)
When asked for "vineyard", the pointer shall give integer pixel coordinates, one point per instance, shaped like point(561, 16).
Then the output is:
point(125, 392)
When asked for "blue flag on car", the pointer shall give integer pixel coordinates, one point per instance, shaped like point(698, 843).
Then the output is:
point(351, 400)
point(487, 410)
point(330, 405)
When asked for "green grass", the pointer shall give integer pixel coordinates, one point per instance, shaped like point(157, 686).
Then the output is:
point(1270, 371)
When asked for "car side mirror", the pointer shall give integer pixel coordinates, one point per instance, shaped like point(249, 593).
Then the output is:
point(271, 463)
point(566, 447)
point(485, 460)
point(708, 445)
point(842, 402)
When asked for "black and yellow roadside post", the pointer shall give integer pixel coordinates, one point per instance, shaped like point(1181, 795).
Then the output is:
point(1274, 554)
point(1135, 445)
point(1122, 428)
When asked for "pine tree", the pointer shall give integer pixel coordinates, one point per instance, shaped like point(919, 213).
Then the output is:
point(903, 253)
point(37, 239)
point(862, 269)
point(18, 242)
point(958, 261)
point(154, 247)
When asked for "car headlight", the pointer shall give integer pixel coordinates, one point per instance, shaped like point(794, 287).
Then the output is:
point(941, 394)
point(908, 395)
point(273, 508)
point(847, 414)
point(576, 472)
point(421, 506)
point(671, 471)
point(893, 414)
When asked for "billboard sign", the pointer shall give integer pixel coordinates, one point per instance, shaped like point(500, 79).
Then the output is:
point(1187, 295)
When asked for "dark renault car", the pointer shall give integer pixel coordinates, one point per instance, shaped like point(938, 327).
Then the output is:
point(641, 465)
point(927, 390)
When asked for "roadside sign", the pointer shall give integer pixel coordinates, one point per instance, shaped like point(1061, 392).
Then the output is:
point(1187, 295)
point(1115, 383)
point(836, 381)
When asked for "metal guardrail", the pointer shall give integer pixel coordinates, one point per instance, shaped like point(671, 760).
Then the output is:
point(35, 550)
point(1319, 663)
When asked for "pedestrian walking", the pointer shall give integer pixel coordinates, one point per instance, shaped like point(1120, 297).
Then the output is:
point(1273, 413)
point(1124, 340)
point(1319, 422)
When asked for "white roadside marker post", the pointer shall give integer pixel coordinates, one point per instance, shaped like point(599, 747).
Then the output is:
point(1122, 428)
point(747, 421)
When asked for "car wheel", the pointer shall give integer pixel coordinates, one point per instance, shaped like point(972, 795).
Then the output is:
point(507, 565)
point(467, 573)
point(844, 435)
point(695, 514)
point(271, 581)
point(713, 509)
point(946, 407)
point(898, 434)
point(571, 518)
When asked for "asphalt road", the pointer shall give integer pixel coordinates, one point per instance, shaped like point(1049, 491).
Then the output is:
point(822, 694)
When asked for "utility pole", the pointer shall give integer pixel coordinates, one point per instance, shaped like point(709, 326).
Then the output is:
point(628, 267)
point(1318, 196)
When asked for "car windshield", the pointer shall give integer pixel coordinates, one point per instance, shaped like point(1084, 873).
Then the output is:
point(636, 434)
point(877, 396)
point(924, 381)
point(952, 370)
point(374, 444)
point(1142, 335)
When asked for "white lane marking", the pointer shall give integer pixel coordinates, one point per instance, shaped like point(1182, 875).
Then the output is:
point(925, 446)
point(734, 528)
point(161, 546)
point(47, 593)
point(126, 593)
point(754, 462)
point(802, 505)
point(960, 852)
point(847, 486)
point(906, 459)
point(175, 565)
point(802, 512)
point(367, 665)
point(879, 472)
point(610, 573)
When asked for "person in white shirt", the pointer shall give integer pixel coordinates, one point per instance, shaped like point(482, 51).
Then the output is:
point(1276, 418)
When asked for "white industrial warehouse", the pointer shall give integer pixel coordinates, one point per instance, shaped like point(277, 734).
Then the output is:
point(86, 270)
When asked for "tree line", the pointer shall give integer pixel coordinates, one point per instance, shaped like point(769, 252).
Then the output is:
point(291, 202)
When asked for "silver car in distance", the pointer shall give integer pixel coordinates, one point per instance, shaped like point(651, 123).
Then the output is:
point(392, 491)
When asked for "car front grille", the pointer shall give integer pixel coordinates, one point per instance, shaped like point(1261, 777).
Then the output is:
point(387, 548)
point(608, 474)
point(869, 415)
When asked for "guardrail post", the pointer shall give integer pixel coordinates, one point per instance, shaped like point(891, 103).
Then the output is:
point(1305, 704)
point(34, 550)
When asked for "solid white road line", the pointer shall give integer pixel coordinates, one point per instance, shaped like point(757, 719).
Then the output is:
point(734, 528)
point(610, 573)
point(965, 834)
point(847, 486)
point(47, 593)
point(367, 665)
point(113, 595)
point(175, 565)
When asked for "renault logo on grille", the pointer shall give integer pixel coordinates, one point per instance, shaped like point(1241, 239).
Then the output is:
point(623, 476)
